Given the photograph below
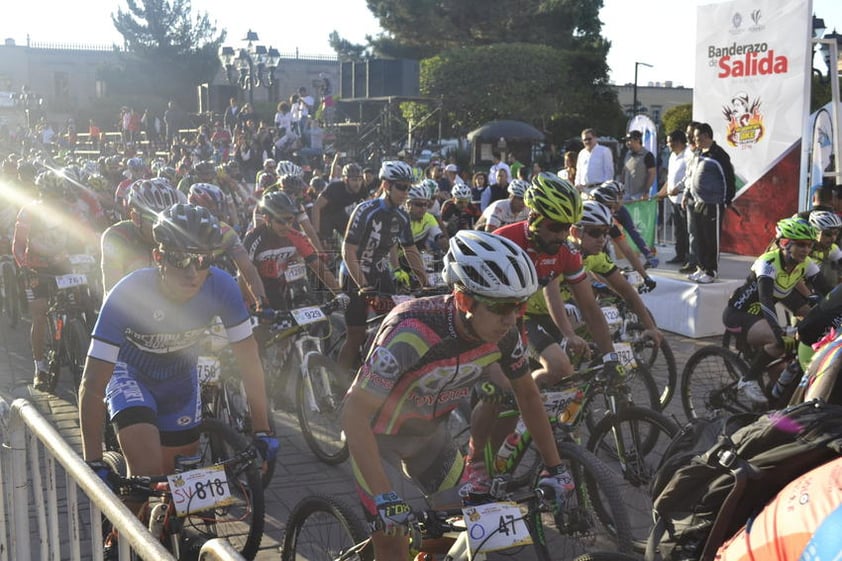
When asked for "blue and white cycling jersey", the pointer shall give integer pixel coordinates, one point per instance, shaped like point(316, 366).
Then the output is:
point(140, 326)
point(375, 228)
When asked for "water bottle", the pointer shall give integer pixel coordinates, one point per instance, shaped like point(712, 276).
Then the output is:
point(506, 450)
point(791, 372)
point(572, 409)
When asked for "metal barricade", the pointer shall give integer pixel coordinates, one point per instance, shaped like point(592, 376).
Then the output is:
point(30, 487)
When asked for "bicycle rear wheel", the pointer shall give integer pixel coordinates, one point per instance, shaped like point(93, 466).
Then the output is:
point(321, 528)
point(318, 401)
point(76, 340)
point(594, 515)
point(240, 523)
point(709, 383)
point(631, 444)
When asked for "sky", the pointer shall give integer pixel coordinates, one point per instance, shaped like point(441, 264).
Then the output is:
point(659, 43)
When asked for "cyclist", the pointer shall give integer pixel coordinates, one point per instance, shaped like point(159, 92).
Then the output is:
point(369, 253)
point(231, 248)
point(46, 230)
point(295, 187)
point(127, 245)
point(826, 252)
point(426, 230)
point(427, 355)
point(274, 244)
point(610, 194)
point(141, 367)
point(779, 275)
point(135, 169)
point(589, 236)
point(506, 211)
point(555, 205)
point(459, 212)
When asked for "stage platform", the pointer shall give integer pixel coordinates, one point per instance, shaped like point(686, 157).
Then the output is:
point(688, 308)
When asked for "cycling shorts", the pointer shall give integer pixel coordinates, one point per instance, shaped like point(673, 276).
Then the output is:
point(541, 332)
point(37, 284)
point(432, 462)
point(174, 403)
point(357, 311)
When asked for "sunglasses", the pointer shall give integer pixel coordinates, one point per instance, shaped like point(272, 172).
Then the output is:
point(201, 261)
point(830, 233)
point(401, 186)
point(802, 244)
point(502, 307)
point(556, 227)
point(597, 233)
point(418, 204)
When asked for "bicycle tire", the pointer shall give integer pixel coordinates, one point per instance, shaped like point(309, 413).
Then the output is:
point(709, 382)
point(643, 391)
point(241, 523)
point(11, 298)
point(76, 340)
point(645, 436)
point(320, 420)
point(115, 461)
point(606, 556)
point(594, 514)
point(321, 528)
point(661, 363)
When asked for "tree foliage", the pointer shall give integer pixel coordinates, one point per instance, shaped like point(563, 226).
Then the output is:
point(677, 118)
point(170, 50)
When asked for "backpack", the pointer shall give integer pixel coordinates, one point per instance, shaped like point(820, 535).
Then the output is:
point(707, 500)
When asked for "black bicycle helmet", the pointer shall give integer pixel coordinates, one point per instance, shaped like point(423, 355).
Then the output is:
point(278, 203)
point(187, 228)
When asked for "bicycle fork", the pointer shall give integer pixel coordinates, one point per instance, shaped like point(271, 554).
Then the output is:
point(305, 347)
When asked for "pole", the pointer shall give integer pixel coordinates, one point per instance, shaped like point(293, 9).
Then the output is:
point(634, 96)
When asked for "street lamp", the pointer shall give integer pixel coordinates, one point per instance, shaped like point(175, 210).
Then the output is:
point(634, 98)
point(250, 67)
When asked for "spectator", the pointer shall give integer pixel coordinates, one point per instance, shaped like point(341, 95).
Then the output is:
point(569, 171)
point(497, 191)
point(692, 152)
point(229, 118)
point(175, 120)
point(594, 163)
point(496, 166)
point(479, 183)
point(673, 189)
point(639, 168)
point(283, 118)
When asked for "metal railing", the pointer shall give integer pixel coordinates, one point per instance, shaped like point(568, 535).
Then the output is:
point(30, 487)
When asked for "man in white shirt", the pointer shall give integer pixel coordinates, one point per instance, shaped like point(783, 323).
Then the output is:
point(595, 163)
point(497, 166)
point(674, 189)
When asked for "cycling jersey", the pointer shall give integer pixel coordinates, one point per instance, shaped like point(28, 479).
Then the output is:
point(425, 231)
point(50, 226)
point(136, 324)
point(423, 369)
point(800, 524)
point(499, 213)
point(457, 218)
point(831, 255)
point(601, 264)
point(375, 228)
point(340, 203)
point(768, 271)
point(123, 250)
point(566, 264)
point(272, 254)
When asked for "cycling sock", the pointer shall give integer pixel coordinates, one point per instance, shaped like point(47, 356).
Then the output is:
point(40, 366)
point(758, 365)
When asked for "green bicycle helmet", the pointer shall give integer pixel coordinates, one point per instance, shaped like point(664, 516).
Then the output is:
point(794, 229)
point(554, 198)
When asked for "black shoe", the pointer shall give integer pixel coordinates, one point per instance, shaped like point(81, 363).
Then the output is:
point(677, 260)
point(41, 381)
point(687, 268)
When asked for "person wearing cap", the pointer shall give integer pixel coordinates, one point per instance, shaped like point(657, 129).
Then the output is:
point(451, 171)
point(594, 163)
point(334, 205)
point(639, 168)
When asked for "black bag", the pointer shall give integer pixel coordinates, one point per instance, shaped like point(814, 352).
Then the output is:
point(700, 503)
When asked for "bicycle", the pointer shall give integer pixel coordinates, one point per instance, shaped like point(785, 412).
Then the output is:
point(295, 343)
point(626, 327)
point(322, 528)
point(627, 442)
point(10, 290)
point(69, 321)
point(215, 494)
point(710, 377)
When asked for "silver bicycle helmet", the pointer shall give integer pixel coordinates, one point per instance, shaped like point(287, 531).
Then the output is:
point(489, 265)
point(396, 170)
point(595, 214)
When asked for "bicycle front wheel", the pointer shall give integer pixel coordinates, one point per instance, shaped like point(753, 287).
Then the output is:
point(319, 395)
point(660, 360)
point(632, 444)
point(241, 522)
point(709, 383)
point(321, 528)
point(594, 514)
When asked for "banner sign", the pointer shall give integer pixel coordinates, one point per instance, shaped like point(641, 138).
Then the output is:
point(752, 72)
point(645, 217)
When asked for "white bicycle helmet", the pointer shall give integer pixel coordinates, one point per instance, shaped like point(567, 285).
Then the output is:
point(396, 170)
point(207, 195)
point(418, 193)
point(461, 192)
point(285, 167)
point(151, 195)
point(489, 265)
point(518, 187)
point(825, 220)
point(431, 186)
point(595, 213)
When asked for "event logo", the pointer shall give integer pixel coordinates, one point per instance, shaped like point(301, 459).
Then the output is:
point(752, 63)
point(744, 121)
point(737, 20)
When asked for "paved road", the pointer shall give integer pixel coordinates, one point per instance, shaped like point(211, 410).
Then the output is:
point(298, 473)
